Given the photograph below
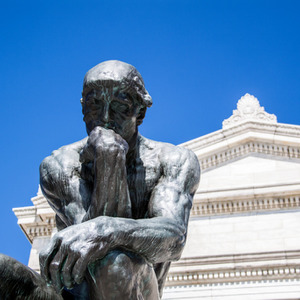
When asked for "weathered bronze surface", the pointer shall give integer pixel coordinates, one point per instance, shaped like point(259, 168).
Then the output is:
point(122, 201)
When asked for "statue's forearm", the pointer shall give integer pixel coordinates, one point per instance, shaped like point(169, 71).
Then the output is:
point(110, 196)
point(157, 239)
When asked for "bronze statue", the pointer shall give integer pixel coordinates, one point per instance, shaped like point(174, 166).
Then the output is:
point(122, 201)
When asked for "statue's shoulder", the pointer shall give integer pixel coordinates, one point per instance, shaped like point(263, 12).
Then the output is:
point(178, 164)
point(65, 157)
point(67, 150)
point(76, 146)
point(169, 154)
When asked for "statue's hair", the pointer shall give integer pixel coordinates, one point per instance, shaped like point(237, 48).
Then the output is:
point(115, 73)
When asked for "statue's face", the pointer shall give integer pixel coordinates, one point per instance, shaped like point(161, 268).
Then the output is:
point(110, 108)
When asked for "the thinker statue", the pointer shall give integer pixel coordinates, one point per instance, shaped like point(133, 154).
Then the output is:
point(122, 201)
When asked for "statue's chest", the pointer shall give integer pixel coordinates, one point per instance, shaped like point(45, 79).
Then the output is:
point(142, 177)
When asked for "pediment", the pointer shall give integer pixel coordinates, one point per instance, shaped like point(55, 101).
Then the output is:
point(249, 130)
point(253, 170)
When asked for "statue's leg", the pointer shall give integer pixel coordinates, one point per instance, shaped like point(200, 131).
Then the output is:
point(123, 275)
point(18, 281)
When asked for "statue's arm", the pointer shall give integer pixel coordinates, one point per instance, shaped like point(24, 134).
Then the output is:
point(160, 238)
point(62, 183)
point(106, 152)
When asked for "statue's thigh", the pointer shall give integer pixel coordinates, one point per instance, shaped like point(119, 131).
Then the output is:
point(124, 275)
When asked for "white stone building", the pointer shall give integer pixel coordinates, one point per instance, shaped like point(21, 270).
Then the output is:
point(244, 230)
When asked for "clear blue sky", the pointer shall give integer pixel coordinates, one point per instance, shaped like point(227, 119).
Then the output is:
point(197, 59)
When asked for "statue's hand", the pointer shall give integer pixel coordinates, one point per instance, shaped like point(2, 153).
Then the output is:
point(103, 141)
point(107, 151)
point(65, 261)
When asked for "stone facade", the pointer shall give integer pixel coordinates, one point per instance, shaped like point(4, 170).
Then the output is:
point(244, 236)
point(38, 224)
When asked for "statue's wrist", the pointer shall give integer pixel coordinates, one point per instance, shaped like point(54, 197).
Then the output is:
point(110, 231)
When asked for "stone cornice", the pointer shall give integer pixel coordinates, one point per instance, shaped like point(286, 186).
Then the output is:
point(214, 207)
point(36, 221)
point(216, 158)
point(279, 272)
point(39, 200)
point(40, 229)
point(250, 191)
point(250, 273)
point(235, 268)
point(248, 130)
point(268, 289)
point(237, 258)
point(23, 212)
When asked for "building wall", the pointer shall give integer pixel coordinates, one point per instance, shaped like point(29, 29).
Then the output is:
point(244, 230)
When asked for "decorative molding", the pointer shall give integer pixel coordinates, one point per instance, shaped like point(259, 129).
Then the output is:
point(34, 224)
point(225, 207)
point(238, 258)
point(211, 207)
point(40, 229)
point(266, 289)
point(215, 159)
point(248, 107)
point(285, 131)
point(23, 212)
point(39, 200)
point(249, 273)
point(235, 268)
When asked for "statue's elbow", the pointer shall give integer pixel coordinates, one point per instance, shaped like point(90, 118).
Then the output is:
point(51, 182)
point(45, 167)
point(52, 172)
point(46, 176)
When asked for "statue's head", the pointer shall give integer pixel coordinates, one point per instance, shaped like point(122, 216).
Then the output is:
point(114, 97)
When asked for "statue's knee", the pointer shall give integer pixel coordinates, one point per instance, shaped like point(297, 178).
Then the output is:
point(117, 265)
point(123, 275)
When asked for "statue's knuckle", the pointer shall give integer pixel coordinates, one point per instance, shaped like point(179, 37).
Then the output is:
point(75, 251)
point(95, 131)
point(114, 149)
point(119, 146)
point(121, 157)
point(98, 144)
point(105, 148)
point(124, 147)
point(54, 267)
point(66, 271)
